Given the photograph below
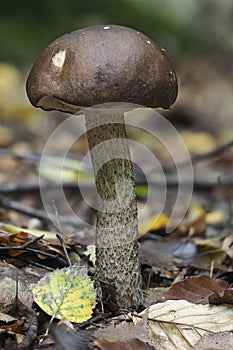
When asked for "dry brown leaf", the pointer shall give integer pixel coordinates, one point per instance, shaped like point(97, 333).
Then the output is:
point(195, 289)
point(222, 297)
point(18, 326)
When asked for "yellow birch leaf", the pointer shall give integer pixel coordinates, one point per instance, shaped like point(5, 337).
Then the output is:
point(67, 293)
point(154, 223)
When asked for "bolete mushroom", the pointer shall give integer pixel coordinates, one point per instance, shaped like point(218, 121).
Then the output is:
point(89, 67)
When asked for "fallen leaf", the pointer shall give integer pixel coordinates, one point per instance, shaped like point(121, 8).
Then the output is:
point(206, 244)
point(196, 220)
point(221, 297)
point(6, 136)
point(154, 223)
point(57, 169)
point(18, 326)
point(179, 324)
point(14, 236)
point(68, 293)
point(195, 289)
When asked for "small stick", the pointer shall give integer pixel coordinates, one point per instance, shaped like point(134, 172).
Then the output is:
point(23, 246)
point(59, 235)
point(200, 157)
point(37, 264)
point(26, 247)
point(31, 333)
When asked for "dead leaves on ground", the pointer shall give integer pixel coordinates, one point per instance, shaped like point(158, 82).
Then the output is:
point(173, 324)
point(198, 245)
point(182, 324)
point(179, 324)
point(18, 320)
point(181, 305)
point(189, 310)
point(125, 336)
point(33, 246)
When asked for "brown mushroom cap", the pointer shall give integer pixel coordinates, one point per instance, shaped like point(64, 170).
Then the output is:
point(100, 64)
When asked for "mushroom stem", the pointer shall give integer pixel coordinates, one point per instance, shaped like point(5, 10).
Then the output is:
point(118, 277)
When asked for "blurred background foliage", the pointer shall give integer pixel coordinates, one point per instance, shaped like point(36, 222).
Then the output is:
point(182, 27)
point(197, 35)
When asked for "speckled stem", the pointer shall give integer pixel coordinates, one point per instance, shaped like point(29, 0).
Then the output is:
point(118, 275)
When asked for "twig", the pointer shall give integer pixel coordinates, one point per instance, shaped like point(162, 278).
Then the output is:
point(40, 214)
point(198, 184)
point(59, 235)
point(23, 246)
point(36, 263)
point(199, 157)
point(13, 188)
point(26, 247)
point(92, 322)
point(31, 333)
point(212, 154)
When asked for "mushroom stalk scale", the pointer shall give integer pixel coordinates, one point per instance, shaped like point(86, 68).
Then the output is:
point(103, 70)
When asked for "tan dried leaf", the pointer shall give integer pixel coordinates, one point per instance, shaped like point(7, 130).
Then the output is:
point(179, 324)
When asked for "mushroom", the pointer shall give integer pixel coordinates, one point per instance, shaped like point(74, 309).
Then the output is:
point(86, 68)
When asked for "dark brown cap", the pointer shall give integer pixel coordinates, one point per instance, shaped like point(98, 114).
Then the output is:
point(100, 64)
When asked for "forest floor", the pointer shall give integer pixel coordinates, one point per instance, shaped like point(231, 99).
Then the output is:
point(186, 262)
